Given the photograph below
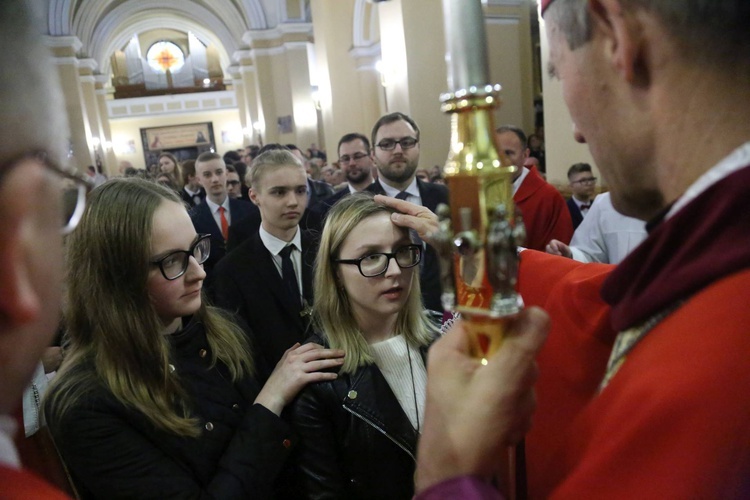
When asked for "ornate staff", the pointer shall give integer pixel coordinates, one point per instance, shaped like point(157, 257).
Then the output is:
point(479, 232)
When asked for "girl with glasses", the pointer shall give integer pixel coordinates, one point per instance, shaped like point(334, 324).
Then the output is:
point(359, 432)
point(156, 396)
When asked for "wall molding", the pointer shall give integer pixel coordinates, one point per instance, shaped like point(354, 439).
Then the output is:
point(171, 104)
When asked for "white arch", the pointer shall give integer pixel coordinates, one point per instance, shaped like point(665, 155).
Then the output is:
point(363, 24)
point(165, 11)
point(58, 17)
point(139, 25)
point(255, 14)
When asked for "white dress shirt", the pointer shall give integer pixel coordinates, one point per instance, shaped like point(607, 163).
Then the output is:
point(412, 190)
point(215, 211)
point(275, 246)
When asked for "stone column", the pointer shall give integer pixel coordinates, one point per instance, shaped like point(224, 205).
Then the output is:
point(252, 111)
point(352, 96)
point(412, 43)
point(64, 49)
point(239, 93)
point(286, 112)
point(102, 93)
point(87, 81)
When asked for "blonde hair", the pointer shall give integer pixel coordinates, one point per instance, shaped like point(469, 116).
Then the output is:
point(333, 315)
point(270, 160)
point(113, 329)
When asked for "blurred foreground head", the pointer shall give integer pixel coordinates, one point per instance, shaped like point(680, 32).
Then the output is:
point(33, 142)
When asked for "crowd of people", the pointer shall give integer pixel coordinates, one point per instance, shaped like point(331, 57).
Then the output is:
point(232, 327)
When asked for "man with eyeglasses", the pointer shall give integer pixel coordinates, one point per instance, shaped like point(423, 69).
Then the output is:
point(233, 183)
point(39, 202)
point(356, 162)
point(583, 188)
point(542, 207)
point(395, 151)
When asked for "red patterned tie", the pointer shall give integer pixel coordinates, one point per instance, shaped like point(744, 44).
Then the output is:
point(224, 224)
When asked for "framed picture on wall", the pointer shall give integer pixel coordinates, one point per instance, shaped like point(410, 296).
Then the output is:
point(177, 136)
point(284, 124)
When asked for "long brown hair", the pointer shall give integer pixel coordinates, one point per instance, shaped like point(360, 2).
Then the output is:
point(113, 329)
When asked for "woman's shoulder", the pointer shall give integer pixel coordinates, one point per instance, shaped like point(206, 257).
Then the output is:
point(80, 395)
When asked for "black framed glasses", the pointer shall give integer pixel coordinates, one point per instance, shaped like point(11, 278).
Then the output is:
point(375, 264)
point(354, 157)
point(405, 143)
point(586, 181)
point(233, 183)
point(174, 264)
point(74, 187)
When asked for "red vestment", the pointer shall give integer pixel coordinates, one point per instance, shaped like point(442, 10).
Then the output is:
point(544, 212)
point(23, 485)
point(674, 421)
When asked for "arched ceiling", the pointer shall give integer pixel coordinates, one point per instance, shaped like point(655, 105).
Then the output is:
point(104, 26)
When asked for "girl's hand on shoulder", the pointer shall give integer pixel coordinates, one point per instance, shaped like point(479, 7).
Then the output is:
point(300, 365)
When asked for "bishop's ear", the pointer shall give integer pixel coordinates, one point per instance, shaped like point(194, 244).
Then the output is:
point(622, 32)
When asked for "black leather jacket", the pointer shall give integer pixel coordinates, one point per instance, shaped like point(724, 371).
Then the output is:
point(356, 441)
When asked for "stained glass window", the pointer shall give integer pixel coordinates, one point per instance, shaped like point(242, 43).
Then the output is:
point(163, 56)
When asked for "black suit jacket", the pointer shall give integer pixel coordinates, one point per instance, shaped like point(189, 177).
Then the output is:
point(317, 190)
point(188, 199)
point(321, 208)
point(432, 195)
point(248, 283)
point(575, 213)
point(204, 222)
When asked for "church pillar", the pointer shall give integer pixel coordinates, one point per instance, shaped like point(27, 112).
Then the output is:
point(110, 160)
point(412, 43)
point(348, 83)
point(285, 109)
point(87, 81)
point(64, 51)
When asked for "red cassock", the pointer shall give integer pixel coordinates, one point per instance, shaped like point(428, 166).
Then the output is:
point(23, 485)
point(674, 421)
point(545, 214)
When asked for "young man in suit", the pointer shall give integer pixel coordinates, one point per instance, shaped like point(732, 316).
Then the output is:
point(218, 211)
point(395, 151)
point(267, 279)
point(311, 219)
point(583, 188)
point(192, 192)
point(33, 145)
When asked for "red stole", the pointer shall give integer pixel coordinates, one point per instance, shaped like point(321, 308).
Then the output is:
point(706, 240)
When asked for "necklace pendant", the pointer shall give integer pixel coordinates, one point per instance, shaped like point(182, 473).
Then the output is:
point(306, 310)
